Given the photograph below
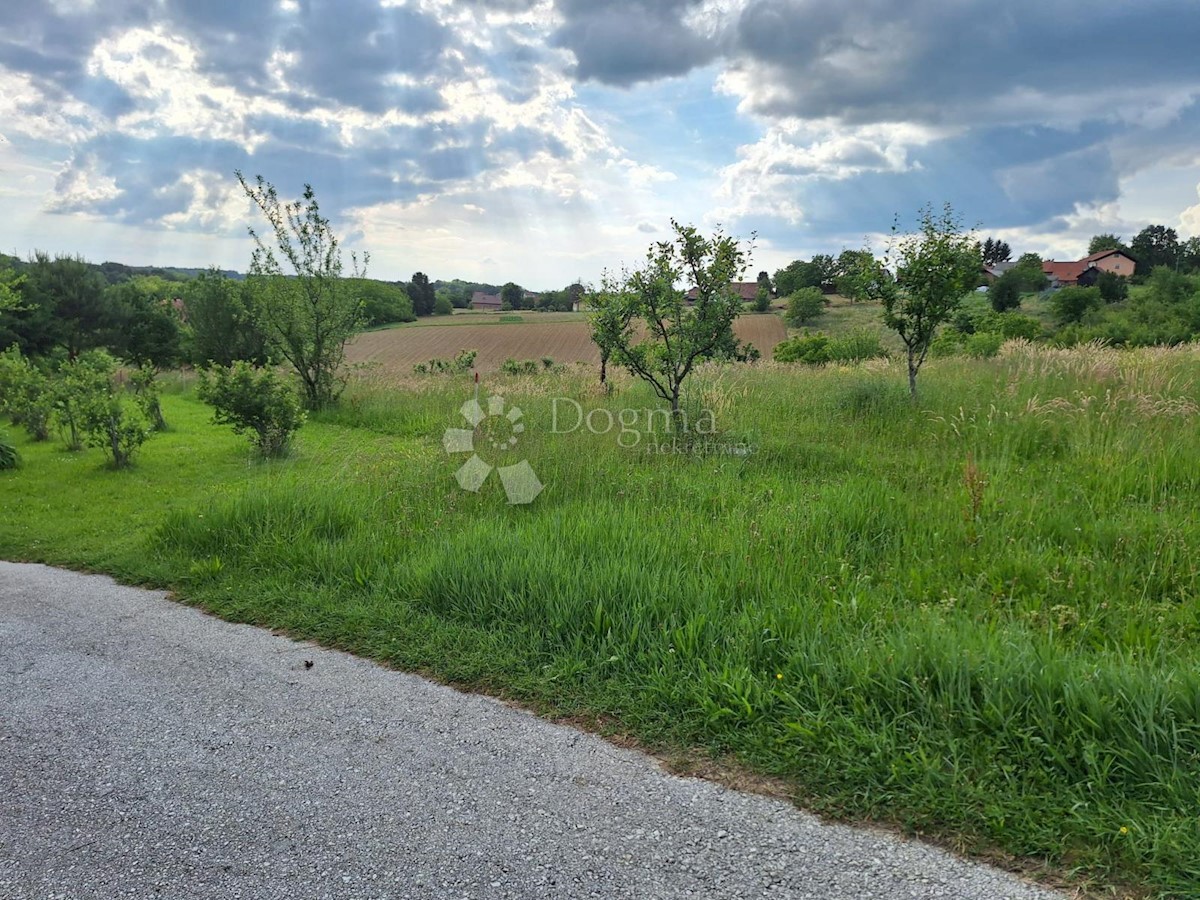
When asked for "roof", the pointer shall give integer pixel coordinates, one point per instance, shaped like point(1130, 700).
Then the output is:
point(998, 269)
point(479, 298)
point(1096, 257)
point(1064, 271)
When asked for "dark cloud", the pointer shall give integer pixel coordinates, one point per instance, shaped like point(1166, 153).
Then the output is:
point(949, 61)
point(622, 42)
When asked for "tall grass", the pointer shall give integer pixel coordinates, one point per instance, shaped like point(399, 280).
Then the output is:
point(975, 617)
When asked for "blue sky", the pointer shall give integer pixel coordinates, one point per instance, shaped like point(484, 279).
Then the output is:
point(544, 140)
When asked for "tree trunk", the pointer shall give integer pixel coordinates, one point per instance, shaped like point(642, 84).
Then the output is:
point(912, 375)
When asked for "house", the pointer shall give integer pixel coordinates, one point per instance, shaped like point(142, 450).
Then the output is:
point(995, 270)
point(1085, 271)
point(480, 300)
point(747, 290)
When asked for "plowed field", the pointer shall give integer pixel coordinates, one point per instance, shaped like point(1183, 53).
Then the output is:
point(399, 349)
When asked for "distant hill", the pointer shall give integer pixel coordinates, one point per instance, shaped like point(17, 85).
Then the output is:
point(118, 273)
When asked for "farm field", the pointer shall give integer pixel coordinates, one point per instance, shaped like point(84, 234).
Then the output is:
point(974, 619)
point(397, 350)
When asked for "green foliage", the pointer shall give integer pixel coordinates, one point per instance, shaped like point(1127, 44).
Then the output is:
point(1029, 273)
point(1005, 292)
point(520, 366)
point(935, 267)
point(146, 326)
point(804, 306)
point(464, 361)
point(1072, 303)
point(9, 458)
point(1154, 246)
point(25, 394)
point(858, 275)
point(817, 348)
point(762, 299)
point(994, 250)
point(677, 336)
point(107, 420)
point(512, 296)
point(1170, 287)
point(422, 293)
point(309, 314)
point(800, 274)
point(983, 344)
point(220, 321)
point(65, 306)
point(1113, 288)
point(77, 386)
point(148, 391)
point(442, 306)
point(1105, 241)
point(382, 303)
point(254, 401)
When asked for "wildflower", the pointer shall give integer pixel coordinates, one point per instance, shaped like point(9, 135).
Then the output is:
point(779, 676)
point(1124, 830)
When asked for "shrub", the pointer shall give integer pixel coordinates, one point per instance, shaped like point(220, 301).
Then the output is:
point(110, 425)
point(983, 344)
point(807, 348)
point(147, 390)
point(856, 346)
point(519, 366)
point(442, 306)
point(77, 386)
point(804, 306)
point(8, 454)
point(1005, 292)
point(463, 362)
point(254, 401)
point(25, 394)
point(1113, 288)
point(1071, 304)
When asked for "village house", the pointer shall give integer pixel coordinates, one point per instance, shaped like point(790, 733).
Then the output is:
point(1085, 271)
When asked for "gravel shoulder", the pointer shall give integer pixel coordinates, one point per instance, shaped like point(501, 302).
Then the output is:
point(149, 750)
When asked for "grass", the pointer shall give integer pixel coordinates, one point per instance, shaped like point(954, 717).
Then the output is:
point(975, 619)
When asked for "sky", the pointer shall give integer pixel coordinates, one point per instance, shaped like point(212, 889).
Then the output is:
point(544, 141)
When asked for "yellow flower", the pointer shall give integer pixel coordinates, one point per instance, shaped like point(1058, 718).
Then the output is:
point(779, 675)
point(1124, 830)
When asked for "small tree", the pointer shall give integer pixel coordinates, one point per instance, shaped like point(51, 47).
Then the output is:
point(1005, 292)
point(309, 315)
point(25, 394)
point(254, 401)
point(111, 425)
point(1113, 288)
point(78, 386)
point(804, 306)
point(1071, 304)
point(935, 267)
point(422, 294)
point(677, 337)
point(221, 321)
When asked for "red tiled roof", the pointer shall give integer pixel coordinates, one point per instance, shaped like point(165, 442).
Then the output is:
point(747, 290)
point(1064, 272)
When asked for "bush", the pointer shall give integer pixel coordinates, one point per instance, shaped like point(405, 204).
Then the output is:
point(110, 425)
point(519, 366)
point(25, 394)
point(463, 362)
point(255, 401)
point(8, 454)
point(1005, 292)
point(147, 390)
point(804, 306)
point(1113, 288)
point(983, 344)
point(442, 306)
point(1071, 304)
point(807, 348)
point(79, 385)
point(856, 346)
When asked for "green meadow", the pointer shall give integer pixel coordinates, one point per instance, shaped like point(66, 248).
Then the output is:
point(974, 618)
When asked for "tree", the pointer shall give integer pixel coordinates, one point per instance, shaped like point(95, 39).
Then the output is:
point(422, 294)
point(1072, 303)
point(677, 337)
point(10, 289)
point(221, 322)
point(1005, 292)
point(1029, 272)
point(795, 275)
point(1189, 254)
point(147, 326)
point(858, 273)
point(995, 251)
point(804, 306)
point(935, 266)
point(442, 306)
point(1154, 246)
point(1113, 288)
point(1106, 241)
point(512, 296)
point(309, 315)
point(382, 302)
point(67, 306)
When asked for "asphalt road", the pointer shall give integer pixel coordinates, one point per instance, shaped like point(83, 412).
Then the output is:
point(149, 750)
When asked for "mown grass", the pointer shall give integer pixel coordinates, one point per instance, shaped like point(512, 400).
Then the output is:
point(975, 618)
